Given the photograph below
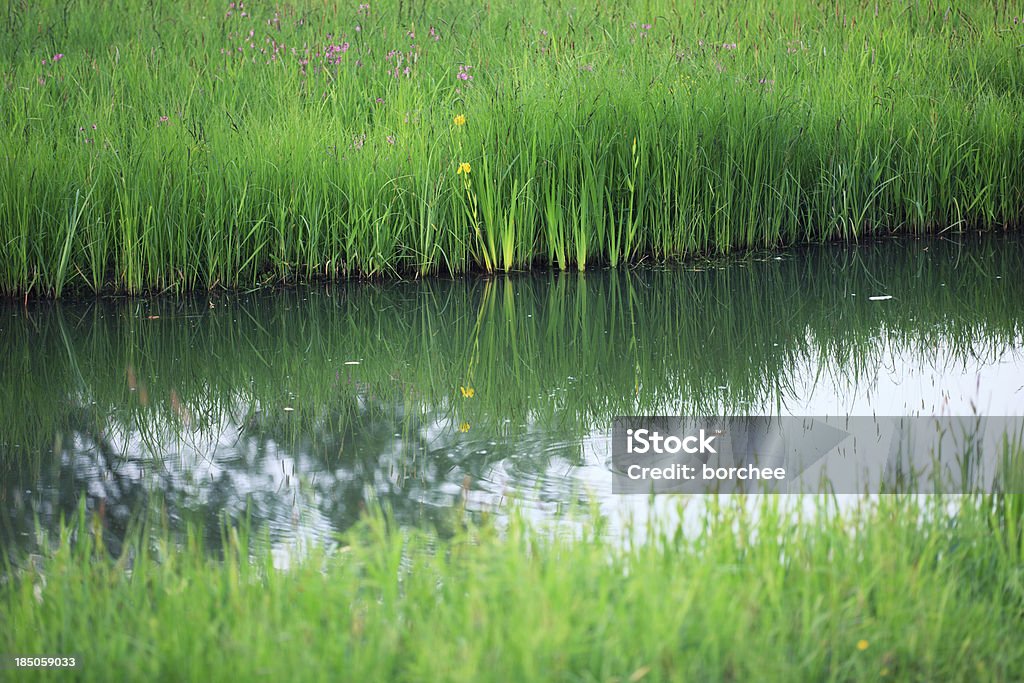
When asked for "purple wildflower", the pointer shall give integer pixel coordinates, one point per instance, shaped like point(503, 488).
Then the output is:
point(334, 52)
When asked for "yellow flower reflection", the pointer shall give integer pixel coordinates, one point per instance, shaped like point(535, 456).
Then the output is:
point(467, 392)
point(464, 427)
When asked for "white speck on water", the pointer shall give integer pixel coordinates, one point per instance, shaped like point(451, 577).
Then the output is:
point(351, 362)
point(288, 409)
point(882, 297)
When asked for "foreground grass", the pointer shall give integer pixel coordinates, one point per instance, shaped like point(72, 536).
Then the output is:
point(900, 589)
point(205, 144)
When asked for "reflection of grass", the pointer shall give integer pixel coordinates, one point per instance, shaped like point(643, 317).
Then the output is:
point(567, 350)
point(199, 146)
point(899, 588)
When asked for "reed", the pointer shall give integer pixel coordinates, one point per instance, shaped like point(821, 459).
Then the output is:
point(151, 147)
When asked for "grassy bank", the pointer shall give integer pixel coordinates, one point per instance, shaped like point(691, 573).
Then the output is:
point(899, 589)
point(151, 146)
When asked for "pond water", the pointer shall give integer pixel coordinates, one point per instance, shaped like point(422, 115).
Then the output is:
point(300, 407)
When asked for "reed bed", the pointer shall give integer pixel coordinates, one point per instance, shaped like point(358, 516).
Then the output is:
point(232, 144)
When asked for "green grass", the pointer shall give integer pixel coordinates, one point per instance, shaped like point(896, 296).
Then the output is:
point(901, 588)
point(162, 152)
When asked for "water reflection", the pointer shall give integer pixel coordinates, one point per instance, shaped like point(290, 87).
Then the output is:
point(298, 407)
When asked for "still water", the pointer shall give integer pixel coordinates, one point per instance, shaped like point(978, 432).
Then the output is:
point(298, 408)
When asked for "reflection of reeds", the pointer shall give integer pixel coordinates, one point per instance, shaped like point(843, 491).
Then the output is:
point(231, 161)
point(99, 391)
point(575, 350)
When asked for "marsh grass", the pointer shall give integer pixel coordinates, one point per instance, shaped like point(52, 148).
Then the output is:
point(900, 588)
point(202, 146)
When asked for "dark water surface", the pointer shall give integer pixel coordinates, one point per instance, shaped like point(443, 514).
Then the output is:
point(300, 407)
